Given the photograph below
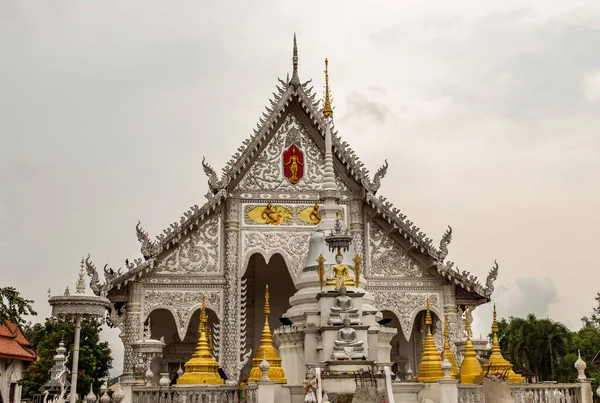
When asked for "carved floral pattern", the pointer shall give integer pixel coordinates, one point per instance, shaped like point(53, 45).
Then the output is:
point(293, 246)
point(267, 171)
point(182, 304)
point(388, 258)
point(406, 306)
point(199, 254)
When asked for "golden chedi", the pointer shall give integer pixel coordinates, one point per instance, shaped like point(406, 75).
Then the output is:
point(430, 368)
point(447, 352)
point(470, 367)
point(268, 351)
point(202, 367)
point(497, 364)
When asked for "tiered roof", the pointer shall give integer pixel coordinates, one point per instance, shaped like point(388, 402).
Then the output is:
point(291, 91)
point(13, 345)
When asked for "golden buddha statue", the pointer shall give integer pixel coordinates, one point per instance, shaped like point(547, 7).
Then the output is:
point(294, 164)
point(340, 273)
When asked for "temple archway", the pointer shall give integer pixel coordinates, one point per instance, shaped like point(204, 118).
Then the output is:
point(162, 326)
point(258, 274)
point(176, 351)
point(420, 331)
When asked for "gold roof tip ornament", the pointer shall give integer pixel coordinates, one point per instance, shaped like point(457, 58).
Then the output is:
point(327, 110)
point(447, 352)
point(202, 368)
point(266, 349)
point(497, 364)
point(470, 368)
point(430, 367)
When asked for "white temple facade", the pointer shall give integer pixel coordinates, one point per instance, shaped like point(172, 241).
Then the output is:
point(263, 223)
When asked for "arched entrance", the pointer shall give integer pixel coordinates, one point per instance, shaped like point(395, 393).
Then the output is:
point(176, 351)
point(281, 287)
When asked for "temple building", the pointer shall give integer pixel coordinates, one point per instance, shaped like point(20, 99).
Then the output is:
point(16, 354)
point(296, 210)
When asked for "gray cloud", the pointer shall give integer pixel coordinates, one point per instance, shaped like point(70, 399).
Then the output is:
point(526, 295)
point(359, 106)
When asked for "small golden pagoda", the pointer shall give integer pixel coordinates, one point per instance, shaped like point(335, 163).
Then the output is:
point(470, 367)
point(202, 367)
point(497, 363)
point(447, 352)
point(430, 368)
point(267, 350)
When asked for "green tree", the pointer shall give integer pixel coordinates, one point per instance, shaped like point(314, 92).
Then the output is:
point(535, 344)
point(13, 307)
point(94, 356)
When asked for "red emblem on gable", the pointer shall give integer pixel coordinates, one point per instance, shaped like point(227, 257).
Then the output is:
point(293, 164)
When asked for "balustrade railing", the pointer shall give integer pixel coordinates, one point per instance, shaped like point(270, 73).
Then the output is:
point(527, 393)
point(546, 392)
point(470, 393)
point(196, 394)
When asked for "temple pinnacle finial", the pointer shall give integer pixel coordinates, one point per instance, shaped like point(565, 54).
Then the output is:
point(295, 80)
point(267, 306)
point(428, 320)
point(327, 111)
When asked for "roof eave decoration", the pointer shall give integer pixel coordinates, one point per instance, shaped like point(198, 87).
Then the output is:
point(422, 243)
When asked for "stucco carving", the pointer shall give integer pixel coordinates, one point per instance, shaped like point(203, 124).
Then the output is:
point(182, 304)
point(292, 246)
point(199, 254)
point(267, 171)
point(387, 258)
point(406, 306)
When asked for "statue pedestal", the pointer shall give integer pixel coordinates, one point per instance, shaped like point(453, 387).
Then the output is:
point(339, 376)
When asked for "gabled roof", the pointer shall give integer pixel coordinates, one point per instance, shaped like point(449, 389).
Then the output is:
point(289, 91)
point(13, 344)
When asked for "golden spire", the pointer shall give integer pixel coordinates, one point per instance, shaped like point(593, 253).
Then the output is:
point(470, 368)
point(430, 368)
point(357, 261)
point(321, 261)
point(327, 110)
point(266, 349)
point(447, 352)
point(497, 363)
point(202, 368)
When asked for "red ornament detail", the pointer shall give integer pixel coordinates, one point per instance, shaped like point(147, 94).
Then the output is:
point(293, 164)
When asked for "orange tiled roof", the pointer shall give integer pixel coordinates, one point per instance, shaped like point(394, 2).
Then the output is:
point(13, 344)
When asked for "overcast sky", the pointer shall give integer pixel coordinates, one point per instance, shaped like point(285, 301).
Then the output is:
point(488, 113)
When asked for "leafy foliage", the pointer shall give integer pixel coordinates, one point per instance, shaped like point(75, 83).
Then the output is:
point(13, 307)
point(94, 356)
point(535, 344)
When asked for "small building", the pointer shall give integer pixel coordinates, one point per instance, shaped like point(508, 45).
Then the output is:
point(15, 354)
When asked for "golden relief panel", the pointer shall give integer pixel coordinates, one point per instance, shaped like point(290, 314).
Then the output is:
point(284, 215)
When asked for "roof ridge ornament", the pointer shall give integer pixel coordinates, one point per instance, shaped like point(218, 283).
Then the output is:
point(295, 79)
point(327, 110)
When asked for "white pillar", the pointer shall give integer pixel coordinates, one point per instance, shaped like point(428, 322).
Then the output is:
point(448, 390)
point(388, 384)
point(266, 391)
point(319, 385)
point(586, 391)
point(75, 359)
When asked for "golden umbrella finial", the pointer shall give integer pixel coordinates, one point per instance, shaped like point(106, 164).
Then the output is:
point(428, 320)
point(321, 261)
point(267, 306)
point(327, 110)
point(357, 261)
